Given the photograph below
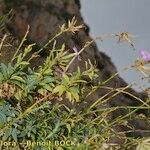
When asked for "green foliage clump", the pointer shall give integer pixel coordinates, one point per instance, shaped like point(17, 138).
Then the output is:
point(33, 113)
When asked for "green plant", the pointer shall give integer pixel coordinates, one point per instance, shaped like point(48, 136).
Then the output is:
point(29, 117)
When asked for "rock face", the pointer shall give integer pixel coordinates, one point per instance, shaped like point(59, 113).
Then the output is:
point(44, 17)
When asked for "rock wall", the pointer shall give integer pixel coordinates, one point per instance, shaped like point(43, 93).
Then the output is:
point(44, 17)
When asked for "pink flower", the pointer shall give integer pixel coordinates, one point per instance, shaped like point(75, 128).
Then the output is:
point(76, 51)
point(145, 55)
